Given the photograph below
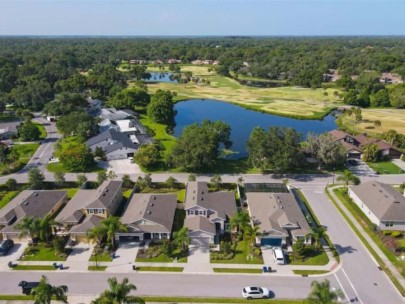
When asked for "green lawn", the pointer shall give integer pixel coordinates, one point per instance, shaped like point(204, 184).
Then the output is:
point(242, 252)
point(312, 258)
point(6, 197)
point(98, 268)
point(42, 252)
point(385, 167)
point(167, 269)
point(126, 193)
point(34, 267)
point(42, 130)
point(309, 272)
point(181, 195)
point(101, 257)
point(58, 167)
point(70, 191)
point(25, 152)
point(237, 270)
point(161, 259)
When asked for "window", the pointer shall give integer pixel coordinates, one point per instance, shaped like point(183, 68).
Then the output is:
point(202, 212)
point(389, 224)
point(90, 211)
point(190, 212)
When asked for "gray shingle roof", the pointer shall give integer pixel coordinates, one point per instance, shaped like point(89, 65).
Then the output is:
point(155, 208)
point(222, 203)
point(89, 223)
point(121, 140)
point(276, 213)
point(200, 223)
point(382, 199)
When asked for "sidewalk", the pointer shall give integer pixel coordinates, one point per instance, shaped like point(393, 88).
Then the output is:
point(378, 251)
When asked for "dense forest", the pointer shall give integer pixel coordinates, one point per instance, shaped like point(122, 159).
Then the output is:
point(33, 70)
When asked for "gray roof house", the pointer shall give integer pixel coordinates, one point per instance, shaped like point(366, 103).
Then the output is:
point(116, 145)
point(278, 215)
point(88, 208)
point(207, 213)
point(9, 129)
point(34, 203)
point(149, 216)
point(381, 203)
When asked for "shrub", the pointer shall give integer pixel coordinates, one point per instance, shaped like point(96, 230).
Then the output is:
point(257, 251)
point(386, 232)
point(218, 255)
point(396, 234)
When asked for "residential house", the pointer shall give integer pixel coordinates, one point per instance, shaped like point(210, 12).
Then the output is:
point(354, 144)
point(381, 203)
point(9, 129)
point(390, 78)
point(32, 203)
point(148, 216)
point(87, 209)
point(173, 61)
point(116, 145)
point(277, 213)
point(208, 213)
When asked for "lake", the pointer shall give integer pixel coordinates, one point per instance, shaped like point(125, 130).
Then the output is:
point(160, 77)
point(242, 121)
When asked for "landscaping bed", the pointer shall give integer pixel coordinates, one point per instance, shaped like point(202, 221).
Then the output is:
point(42, 252)
point(240, 255)
point(155, 254)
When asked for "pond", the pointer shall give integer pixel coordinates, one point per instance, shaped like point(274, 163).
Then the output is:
point(242, 121)
point(160, 77)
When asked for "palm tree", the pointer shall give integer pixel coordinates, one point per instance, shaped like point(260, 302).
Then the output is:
point(45, 228)
point(348, 177)
point(96, 234)
point(240, 220)
point(321, 293)
point(251, 233)
point(111, 226)
point(317, 233)
point(118, 293)
point(181, 238)
point(44, 292)
point(29, 226)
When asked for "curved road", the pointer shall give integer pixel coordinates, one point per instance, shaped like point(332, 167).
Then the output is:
point(358, 277)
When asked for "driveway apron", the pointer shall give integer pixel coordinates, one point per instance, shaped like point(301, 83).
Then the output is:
point(199, 256)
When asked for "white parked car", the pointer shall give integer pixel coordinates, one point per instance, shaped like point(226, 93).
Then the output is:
point(278, 256)
point(254, 292)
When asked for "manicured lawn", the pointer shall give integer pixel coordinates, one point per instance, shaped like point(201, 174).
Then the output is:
point(16, 297)
point(161, 259)
point(181, 195)
point(126, 193)
point(218, 300)
point(42, 130)
point(94, 268)
point(242, 252)
point(101, 257)
point(287, 101)
point(70, 191)
point(34, 267)
point(368, 227)
point(312, 258)
point(385, 167)
point(26, 151)
point(42, 252)
point(6, 197)
point(237, 270)
point(58, 167)
point(309, 272)
point(167, 269)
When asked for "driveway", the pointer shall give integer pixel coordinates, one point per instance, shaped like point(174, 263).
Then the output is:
point(198, 260)
point(399, 163)
point(124, 257)
point(13, 255)
point(120, 166)
point(362, 169)
point(78, 259)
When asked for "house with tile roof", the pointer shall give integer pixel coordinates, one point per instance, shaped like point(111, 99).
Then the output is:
point(207, 213)
point(381, 203)
point(29, 203)
point(275, 209)
point(87, 209)
point(148, 216)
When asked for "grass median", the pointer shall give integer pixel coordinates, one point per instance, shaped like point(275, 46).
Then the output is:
point(237, 270)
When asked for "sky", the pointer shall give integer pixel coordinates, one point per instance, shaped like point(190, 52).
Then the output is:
point(202, 17)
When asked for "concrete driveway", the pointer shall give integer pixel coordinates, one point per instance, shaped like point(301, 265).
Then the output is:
point(124, 257)
point(120, 166)
point(362, 169)
point(13, 254)
point(198, 260)
point(78, 259)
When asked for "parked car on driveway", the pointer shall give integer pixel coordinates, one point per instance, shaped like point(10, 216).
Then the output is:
point(278, 256)
point(5, 246)
point(255, 292)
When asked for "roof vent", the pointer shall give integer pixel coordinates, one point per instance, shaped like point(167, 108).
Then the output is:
point(396, 202)
point(36, 194)
point(154, 197)
point(152, 205)
point(149, 212)
point(202, 192)
point(202, 198)
point(26, 203)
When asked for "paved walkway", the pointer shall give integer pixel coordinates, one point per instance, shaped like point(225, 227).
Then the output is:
point(387, 262)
